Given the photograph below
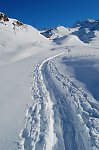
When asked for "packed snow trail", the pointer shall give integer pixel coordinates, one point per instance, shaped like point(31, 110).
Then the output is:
point(39, 127)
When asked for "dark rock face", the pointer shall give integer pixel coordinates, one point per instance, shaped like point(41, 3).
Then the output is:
point(3, 17)
point(18, 23)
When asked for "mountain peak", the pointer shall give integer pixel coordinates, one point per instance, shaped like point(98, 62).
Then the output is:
point(88, 23)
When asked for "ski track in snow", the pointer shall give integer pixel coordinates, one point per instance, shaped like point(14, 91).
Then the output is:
point(39, 127)
point(72, 113)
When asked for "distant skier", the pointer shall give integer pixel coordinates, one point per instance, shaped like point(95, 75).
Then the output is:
point(68, 50)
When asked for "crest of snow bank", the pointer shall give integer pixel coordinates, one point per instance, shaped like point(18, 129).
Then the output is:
point(70, 40)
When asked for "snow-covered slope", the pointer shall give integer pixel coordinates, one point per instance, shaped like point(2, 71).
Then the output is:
point(16, 40)
point(68, 40)
point(49, 85)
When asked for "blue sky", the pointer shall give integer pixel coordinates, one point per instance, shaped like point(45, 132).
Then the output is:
point(50, 13)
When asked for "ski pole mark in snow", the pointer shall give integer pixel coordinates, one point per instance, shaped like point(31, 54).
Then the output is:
point(39, 127)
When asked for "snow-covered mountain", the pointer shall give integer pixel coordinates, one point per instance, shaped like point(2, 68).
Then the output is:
point(87, 31)
point(57, 32)
point(49, 86)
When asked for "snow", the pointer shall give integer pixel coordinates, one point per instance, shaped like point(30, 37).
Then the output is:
point(69, 40)
point(49, 97)
point(57, 32)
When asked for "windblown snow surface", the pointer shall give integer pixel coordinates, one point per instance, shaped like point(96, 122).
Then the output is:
point(49, 88)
